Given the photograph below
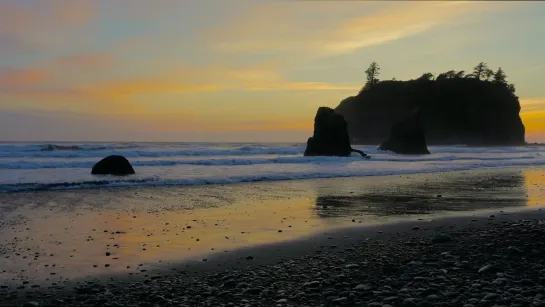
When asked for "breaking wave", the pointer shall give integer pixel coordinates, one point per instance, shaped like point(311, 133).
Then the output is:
point(33, 167)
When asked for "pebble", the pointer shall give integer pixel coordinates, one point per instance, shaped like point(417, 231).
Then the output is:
point(490, 296)
point(488, 268)
point(360, 287)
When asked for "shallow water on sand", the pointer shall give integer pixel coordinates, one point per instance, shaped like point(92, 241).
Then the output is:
point(58, 235)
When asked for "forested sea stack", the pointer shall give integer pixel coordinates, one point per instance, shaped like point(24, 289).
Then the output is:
point(477, 109)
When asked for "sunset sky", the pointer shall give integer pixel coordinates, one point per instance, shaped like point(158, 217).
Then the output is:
point(240, 70)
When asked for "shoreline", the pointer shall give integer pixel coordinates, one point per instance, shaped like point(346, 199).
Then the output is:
point(342, 246)
point(130, 183)
point(386, 174)
point(48, 237)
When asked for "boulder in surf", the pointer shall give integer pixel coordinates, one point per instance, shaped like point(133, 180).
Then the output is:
point(113, 165)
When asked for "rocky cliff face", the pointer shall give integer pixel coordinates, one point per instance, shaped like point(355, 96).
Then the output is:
point(453, 111)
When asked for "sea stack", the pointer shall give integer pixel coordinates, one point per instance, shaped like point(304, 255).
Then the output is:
point(113, 165)
point(456, 110)
point(330, 136)
point(407, 137)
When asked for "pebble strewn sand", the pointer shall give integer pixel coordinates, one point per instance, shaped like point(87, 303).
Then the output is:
point(496, 262)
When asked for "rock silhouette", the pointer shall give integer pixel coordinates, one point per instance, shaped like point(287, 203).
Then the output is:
point(407, 137)
point(456, 110)
point(113, 165)
point(330, 136)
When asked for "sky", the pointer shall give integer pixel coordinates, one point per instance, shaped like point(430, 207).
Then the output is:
point(240, 70)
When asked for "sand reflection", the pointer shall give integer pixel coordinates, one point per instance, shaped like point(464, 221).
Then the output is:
point(433, 193)
point(82, 243)
point(54, 236)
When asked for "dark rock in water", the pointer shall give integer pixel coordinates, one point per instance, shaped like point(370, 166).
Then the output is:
point(407, 137)
point(330, 136)
point(113, 165)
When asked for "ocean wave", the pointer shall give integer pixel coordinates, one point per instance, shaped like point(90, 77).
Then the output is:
point(331, 172)
point(22, 164)
point(28, 167)
point(157, 153)
point(159, 150)
point(51, 147)
point(18, 149)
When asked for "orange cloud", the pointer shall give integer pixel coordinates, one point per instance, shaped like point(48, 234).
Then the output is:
point(533, 116)
point(16, 78)
point(126, 89)
point(58, 85)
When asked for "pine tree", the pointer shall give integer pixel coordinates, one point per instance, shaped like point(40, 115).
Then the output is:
point(479, 71)
point(428, 76)
point(459, 74)
point(500, 76)
point(372, 74)
point(488, 73)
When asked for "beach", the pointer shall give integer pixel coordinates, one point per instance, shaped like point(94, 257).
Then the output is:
point(127, 246)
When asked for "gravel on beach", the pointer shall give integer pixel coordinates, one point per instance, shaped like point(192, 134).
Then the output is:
point(500, 264)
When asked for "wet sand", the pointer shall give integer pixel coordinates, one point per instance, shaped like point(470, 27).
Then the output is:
point(51, 238)
point(492, 259)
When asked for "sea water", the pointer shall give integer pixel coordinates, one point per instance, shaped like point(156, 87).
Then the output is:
point(38, 166)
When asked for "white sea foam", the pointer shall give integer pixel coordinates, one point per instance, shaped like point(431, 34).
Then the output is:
point(67, 166)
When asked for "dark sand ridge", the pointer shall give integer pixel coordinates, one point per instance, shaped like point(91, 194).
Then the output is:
point(416, 195)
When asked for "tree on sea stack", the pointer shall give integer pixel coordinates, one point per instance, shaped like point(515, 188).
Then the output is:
point(428, 76)
point(481, 71)
point(372, 75)
point(500, 76)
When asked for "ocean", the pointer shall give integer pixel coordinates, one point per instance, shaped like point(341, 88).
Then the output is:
point(58, 166)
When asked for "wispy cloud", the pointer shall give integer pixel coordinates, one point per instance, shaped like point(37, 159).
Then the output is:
point(530, 105)
point(42, 89)
point(28, 26)
point(11, 79)
point(91, 61)
point(321, 29)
